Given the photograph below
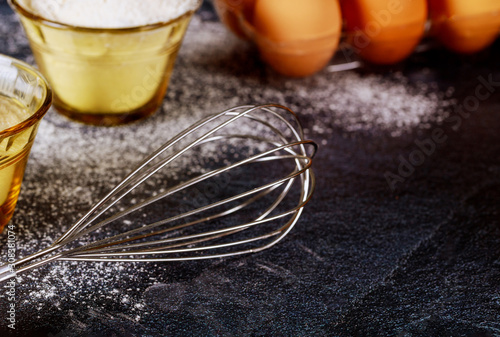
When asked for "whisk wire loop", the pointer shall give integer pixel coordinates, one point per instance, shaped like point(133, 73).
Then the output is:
point(226, 227)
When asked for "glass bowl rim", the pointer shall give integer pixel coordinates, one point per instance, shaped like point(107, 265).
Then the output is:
point(40, 111)
point(51, 23)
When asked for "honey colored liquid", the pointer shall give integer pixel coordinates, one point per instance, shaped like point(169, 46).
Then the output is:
point(14, 151)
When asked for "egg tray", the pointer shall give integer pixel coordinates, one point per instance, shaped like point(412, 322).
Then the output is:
point(463, 34)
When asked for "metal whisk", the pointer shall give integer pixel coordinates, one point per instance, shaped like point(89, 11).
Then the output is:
point(268, 151)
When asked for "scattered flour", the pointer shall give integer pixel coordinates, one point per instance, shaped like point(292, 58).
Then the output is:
point(72, 165)
point(110, 13)
point(368, 102)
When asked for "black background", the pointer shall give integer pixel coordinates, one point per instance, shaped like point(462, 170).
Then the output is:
point(422, 260)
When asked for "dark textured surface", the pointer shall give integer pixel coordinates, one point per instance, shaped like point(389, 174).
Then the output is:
point(420, 260)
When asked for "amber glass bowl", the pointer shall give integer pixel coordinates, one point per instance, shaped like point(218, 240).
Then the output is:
point(22, 86)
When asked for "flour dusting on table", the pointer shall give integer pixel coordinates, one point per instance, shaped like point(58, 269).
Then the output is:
point(73, 165)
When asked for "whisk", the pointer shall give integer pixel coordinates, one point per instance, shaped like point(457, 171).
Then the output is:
point(268, 150)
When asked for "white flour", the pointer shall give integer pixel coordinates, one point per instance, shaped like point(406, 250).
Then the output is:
point(72, 165)
point(110, 13)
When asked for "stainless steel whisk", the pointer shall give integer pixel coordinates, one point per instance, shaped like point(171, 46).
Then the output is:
point(208, 231)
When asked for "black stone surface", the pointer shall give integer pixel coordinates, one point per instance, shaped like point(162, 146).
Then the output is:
point(422, 259)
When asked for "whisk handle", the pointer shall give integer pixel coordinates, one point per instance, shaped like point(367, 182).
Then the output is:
point(6, 273)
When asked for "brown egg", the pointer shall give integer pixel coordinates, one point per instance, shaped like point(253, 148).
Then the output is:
point(384, 31)
point(465, 26)
point(297, 37)
point(231, 11)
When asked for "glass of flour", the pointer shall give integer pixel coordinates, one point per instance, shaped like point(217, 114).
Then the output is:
point(25, 97)
point(108, 61)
